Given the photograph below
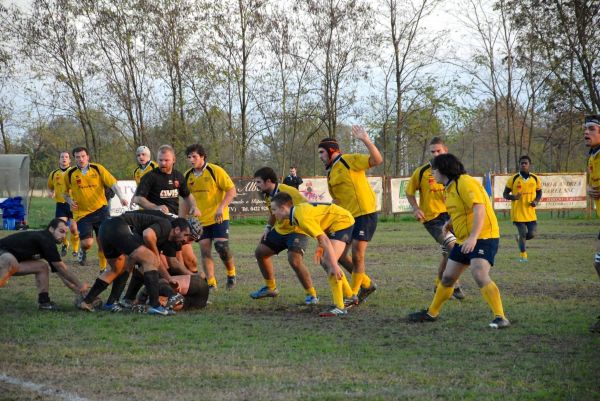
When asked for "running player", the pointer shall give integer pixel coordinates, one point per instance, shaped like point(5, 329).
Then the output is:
point(279, 235)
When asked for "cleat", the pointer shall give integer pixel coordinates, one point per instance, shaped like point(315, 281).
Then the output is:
point(47, 306)
point(458, 293)
point(499, 323)
point(175, 301)
point(81, 257)
point(333, 312)
point(421, 316)
point(264, 292)
point(363, 293)
point(212, 288)
point(7, 275)
point(126, 303)
point(595, 328)
point(230, 282)
point(351, 302)
point(139, 308)
point(160, 310)
point(311, 300)
point(114, 308)
point(75, 255)
point(84, 306)
point(63, 251)
point(523, 260)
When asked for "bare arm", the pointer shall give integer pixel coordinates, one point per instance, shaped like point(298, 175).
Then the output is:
point(70, 280)
point(419, 215)
point(177, 266)
point(150, 241)
point(190, 204)
point(146, 204)
point(330, 260)
point(120, 195)
point(229, 195)
point(375, 158)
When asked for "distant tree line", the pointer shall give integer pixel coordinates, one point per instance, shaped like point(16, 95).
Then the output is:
point(261, 81)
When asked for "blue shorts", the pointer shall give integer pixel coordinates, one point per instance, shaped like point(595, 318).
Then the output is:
point(484, 249)
point(92, 222)
point(364, 227)
point(215, 231)
point(293, 242)
point(344, 235)
point(63, 210)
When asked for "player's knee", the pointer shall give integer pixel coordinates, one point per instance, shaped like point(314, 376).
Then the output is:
point(222, 248)
point(448, 244)
point(295, 259)
point(448, 281)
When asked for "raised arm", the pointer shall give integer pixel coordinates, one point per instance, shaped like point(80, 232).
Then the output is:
point(375, 158)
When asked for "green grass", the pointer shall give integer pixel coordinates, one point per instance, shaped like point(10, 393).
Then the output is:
point(241, 349)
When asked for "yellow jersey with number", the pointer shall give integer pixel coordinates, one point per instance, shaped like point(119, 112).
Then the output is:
point(56, 183)
point(316, 220)
point(593, 177)
point(139, 172)
point(461, 195)
point(431, 193)
point(284, 227)
point(348, 184)
point(521, 210)
point(88, 189)
point(209, 187)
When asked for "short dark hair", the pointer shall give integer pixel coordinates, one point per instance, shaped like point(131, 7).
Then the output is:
point(525, 157)
point(196, 148)
point(180, 223)
point(282, 198)
point(80, 149)
point(266, 173)
point(55, 223)
point(448, 165)
point(437, 140)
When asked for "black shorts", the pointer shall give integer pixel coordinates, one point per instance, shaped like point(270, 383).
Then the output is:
point(364, 227)
point(197, 294)
point(484, 249)
point(293, 242)
point(92, 222)
point(116, 238)
point(63, 210)
point(434, 227)
point(344, 235)
point(216, 231)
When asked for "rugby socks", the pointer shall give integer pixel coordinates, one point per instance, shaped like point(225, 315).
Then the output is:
point(491, 294)
point(442, 294)
point(66, 242)
point(356, 281)
point(212, 282)
point(346, 289)
point(118, 286)
point(366, 281)
point(437, 281)
point(136, 283)
point(231, 272)
point(97, 288)
point(336, 291)
point(101, 260)
point(43, 298)
point(151, 283)
point(523, 255)
point(74, 239)
point(311, 291)
point(271, 284)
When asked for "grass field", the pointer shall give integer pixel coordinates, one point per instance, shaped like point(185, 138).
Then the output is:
point(275, 349)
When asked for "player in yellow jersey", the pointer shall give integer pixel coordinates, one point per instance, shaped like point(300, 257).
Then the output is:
point(56, 185)
point(280, 235)
point(85, 193)
point(350, 189)
point(145, 165)
point(524, 190)
point(477, 238)
point(213, 190)
point(332, 227)
point(431, 209)
point(591, 136)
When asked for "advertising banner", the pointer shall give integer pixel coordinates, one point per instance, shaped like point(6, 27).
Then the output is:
point(315, 189)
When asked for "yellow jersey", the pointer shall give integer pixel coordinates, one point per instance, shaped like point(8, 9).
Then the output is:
point(139, 172)
point(88, 189)
point(56, 183)
point(348, 184)
point(209, 187)
point(593, 176)
point(521, 211)
point(316, 220)
point(284, 227)
point(431, 193)
point(461, 195)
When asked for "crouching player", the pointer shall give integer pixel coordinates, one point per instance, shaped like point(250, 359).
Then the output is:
point(477, 238)
point(22, 253)
point(331, 226)
point(138, 236)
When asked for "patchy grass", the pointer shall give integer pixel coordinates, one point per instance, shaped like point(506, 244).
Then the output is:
point(241, 349)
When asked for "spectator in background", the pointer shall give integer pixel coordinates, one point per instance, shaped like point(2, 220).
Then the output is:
point(292, 179)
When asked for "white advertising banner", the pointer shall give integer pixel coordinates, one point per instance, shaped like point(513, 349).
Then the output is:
point(315, 189)
point(559, 191)
point(127, 188)
point(398, 194)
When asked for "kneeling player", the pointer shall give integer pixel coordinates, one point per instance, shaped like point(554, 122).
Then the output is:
point(22, 253)
point(332, 227)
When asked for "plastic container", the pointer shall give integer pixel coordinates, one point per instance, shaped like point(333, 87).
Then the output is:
point(9, 223)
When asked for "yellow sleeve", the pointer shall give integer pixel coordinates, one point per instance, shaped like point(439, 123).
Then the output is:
point(469, 192)
point(66, 179)
point(538, 183)
point(307, 222)
point(414, 185)
point(51, 181)
point(107, 178)
point(357, 161)
point(224, 182)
